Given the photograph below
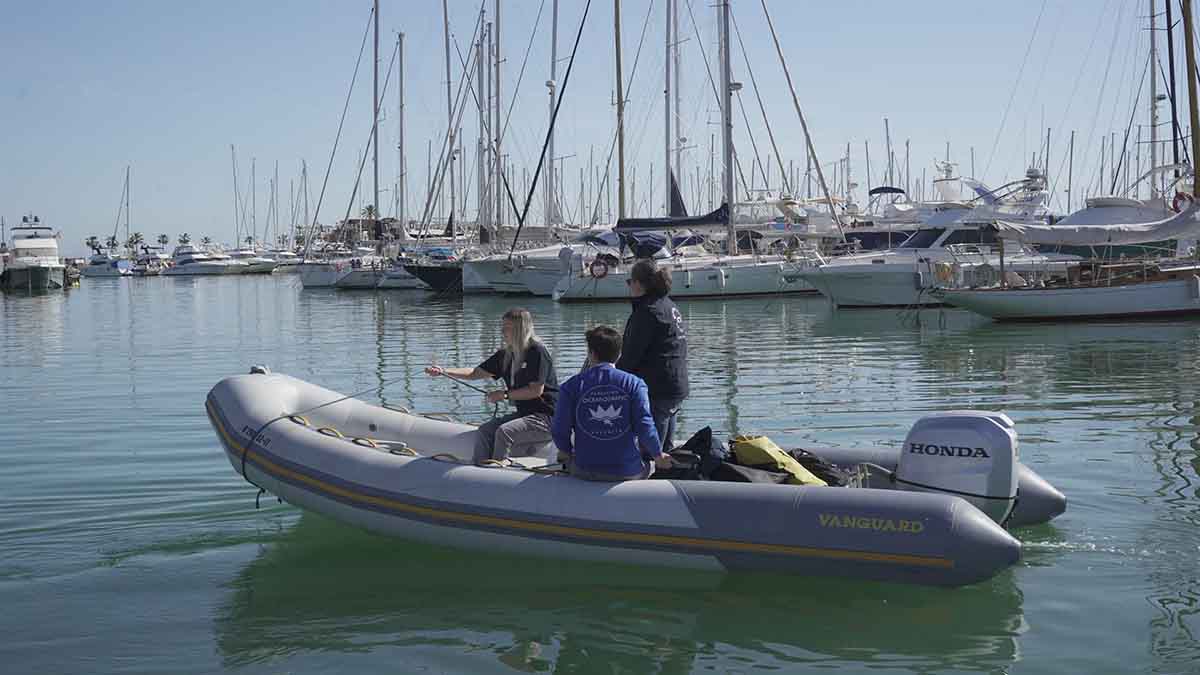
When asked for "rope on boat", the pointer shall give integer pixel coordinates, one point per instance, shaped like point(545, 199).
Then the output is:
point(296, 417)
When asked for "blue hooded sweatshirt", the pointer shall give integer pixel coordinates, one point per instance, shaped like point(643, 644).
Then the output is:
point(602, 416)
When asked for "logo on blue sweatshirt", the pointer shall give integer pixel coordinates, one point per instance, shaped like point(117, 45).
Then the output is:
point(602, 412)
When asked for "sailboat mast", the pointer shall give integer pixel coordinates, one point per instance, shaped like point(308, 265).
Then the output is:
point(667, 111)
point(127, 200)
point(449, 118)
point(237, 219)
point(497, 216)
point(481, 199)
point(304, 187)
point(402, 198)
point(1153, 101)
point(375, 121)
point(552, 84)
point(727, 127)
point(620, 113)
point(678, 108)
point(1174, 110)
point(253, 201)
point(887, 137)
point(1189, 47)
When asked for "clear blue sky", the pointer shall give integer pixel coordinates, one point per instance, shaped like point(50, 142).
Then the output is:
point(87, 88)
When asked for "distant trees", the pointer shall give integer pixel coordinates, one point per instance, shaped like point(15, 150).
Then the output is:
point(163, 240)
point(135, 240)
point(112, 243)
point(185, 239)
point(93, 243)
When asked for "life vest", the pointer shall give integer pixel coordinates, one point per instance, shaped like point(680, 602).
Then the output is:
point(762, 453)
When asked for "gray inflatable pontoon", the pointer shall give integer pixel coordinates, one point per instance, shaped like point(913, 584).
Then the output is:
point(404, 475)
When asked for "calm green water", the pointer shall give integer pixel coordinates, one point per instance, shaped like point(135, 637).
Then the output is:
point(128, 544)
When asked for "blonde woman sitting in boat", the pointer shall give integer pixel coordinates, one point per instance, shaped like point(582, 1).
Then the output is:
point(531, 384)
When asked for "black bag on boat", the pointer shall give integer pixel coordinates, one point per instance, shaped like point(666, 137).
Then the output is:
point(831, 474)
point(686, 467)
point(736, 473)
point(702, 445)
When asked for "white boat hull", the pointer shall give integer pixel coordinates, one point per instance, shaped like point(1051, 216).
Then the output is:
point(107, 270)
point(201, 269)
point(1175, 297)
point(716, 279)
point(318, 275)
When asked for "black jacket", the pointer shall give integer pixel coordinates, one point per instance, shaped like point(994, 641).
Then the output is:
point(655, 348)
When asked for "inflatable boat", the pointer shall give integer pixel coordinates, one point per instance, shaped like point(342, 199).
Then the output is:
point(931, 512)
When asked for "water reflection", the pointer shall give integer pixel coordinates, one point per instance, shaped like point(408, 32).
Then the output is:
point(325, 588)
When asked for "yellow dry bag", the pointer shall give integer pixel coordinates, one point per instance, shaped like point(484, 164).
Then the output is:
point(762, 453)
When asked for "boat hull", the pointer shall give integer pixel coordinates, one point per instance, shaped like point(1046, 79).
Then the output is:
point(33, 277)
point(440, 278)
point(859, 533)
point(705, 280)
point(1177, 297)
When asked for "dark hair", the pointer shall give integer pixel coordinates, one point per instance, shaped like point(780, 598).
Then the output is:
point(604, 342)
point(656, 280)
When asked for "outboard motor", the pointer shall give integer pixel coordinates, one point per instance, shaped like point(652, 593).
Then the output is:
point(972, 454)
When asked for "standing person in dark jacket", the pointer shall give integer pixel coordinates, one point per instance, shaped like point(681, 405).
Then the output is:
point(530, 382)
point(654, 346)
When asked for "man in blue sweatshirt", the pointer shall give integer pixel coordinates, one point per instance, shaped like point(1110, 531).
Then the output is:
point(602, 422)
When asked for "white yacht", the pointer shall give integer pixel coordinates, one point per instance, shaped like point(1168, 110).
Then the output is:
point(33, 264)
point(533, 271)
point(255, 263)
point(188, 260)
point(697, 272)
point(285, 261)
point(150, 263)
point(904, 276)
point(102, 264)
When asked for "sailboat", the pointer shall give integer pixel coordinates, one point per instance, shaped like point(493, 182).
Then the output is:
point(1106, 290)
point(102, 264)
point(698, 276)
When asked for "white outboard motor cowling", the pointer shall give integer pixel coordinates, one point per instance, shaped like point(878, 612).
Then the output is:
point(972, 454)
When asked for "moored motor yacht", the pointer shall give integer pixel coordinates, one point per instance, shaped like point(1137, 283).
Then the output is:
point(101, 264)
point(188, 260)
point(33, 263)
point(255, 263)
point(904, 276)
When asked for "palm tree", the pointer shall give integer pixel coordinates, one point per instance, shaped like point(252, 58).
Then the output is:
point(93, 243)
point(250, 242)
point(185, 239)
point(111, 243)
point(368, 212)
point(136, 239)
point(206, 240)
point(163, 240)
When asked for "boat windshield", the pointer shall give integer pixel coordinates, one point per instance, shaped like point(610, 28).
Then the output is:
point(974, 235)
point(923, 238)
